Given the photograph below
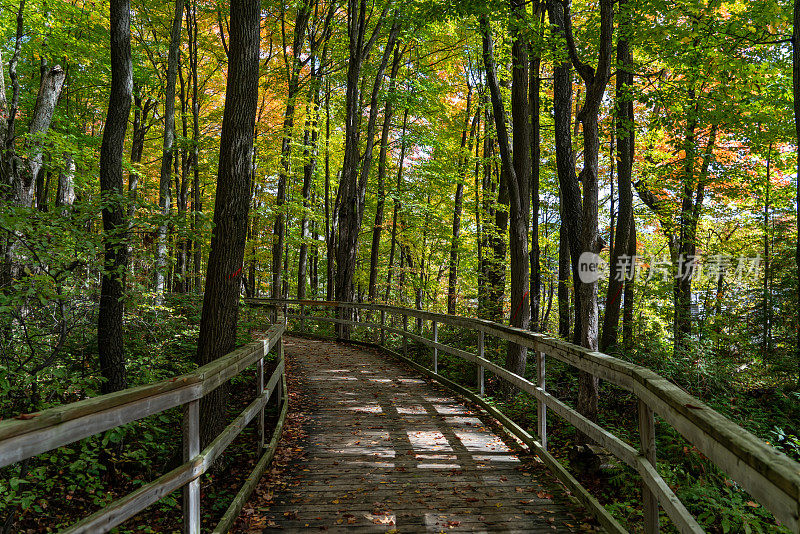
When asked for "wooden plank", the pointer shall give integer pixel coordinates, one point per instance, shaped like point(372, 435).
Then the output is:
point(677, 512)
point(191, 447)
point(768, 475)
point(226, 523)
point(480, 367)
point(57, 434)
point(647, 435)
point(541, 406)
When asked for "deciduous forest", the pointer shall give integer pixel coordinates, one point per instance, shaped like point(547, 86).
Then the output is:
point(619, 174)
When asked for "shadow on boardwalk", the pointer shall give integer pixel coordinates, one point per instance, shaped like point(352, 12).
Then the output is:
point(381, 449)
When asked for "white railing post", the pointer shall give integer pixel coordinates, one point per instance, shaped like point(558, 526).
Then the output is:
point(541, 406)
point(405, 337)
point(647, 435)
point(480, 367)
point(260, 391)
point(383, 331)
point(278, 393)
point(435, 348)
point(191, 448)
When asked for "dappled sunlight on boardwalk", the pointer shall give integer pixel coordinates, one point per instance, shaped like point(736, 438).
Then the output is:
point(385, 450)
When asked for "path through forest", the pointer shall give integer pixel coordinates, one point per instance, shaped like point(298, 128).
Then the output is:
point(376, 448)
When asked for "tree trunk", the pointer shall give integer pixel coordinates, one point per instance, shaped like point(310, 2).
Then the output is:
point(355, 169)
point(164, 197)
point(65, 195)
point(109, 318)
point(457, 205)
point(571, 209)
point(223, 279)
point(535, 109)
point(563, 278)
point(621, 270)
point(516, 168)
point(595, 82)
point(381, 201)
point(293, 68)
point(796, 95)
point(396, 212)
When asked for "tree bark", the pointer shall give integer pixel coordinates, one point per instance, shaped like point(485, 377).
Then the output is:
point(164, 195)
point(620, 270)
point(397, 205)
point(535, 109)
point(224, 276)
point(381, 201)
point(109, 318)
point(355, 169)
point(571, 208)
point(595, 82)
point(293, 67)
point(458, 202)
point(796, 95)
point(517, 169)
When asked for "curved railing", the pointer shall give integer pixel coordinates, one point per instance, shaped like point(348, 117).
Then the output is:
point(55, 427)
point(768, 475)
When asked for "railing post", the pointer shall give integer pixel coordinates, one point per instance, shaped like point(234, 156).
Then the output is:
point(541, 406)
point(647, 435)
point(480, 367)
point(383, 332)
point(435, 348)
point(279, 385)
point(260, 391)
point(191, 448)
point(405, 337)
point(302, 317)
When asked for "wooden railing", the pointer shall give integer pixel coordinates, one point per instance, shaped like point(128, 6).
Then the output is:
point(55, 427)
point(768, 475)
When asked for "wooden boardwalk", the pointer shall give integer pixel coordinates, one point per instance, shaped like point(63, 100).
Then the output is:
point(384, 450)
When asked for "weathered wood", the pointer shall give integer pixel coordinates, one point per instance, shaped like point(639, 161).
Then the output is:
point(435, 348)
point(405, 335)
point(259, 391)
point(677, 512)
point(191, 447)
point(768, 475)
point(383, 330)
point(226, 523)
point(541, 405)
point(647, 435)
point(480, 367)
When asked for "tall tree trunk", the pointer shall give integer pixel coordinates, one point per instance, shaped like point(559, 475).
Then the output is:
point(796, 98)
point(164, 197)
point(457, 205)
point(293, 68)
point(330, 216)
point(536, 154)
point(310, 157)
point(109, 318)
point(621, 261)
point(595, 82)
point(196, 204)
point(381, 201)
point(571, 209)
point(517, 169)
point(355, 169)
point(396, 212)
point(224, 276)
point(563, 279)
point(65, 195)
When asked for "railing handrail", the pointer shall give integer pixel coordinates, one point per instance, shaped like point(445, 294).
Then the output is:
point(49, 429)
point(769, 475)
